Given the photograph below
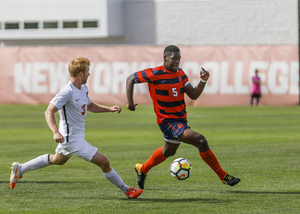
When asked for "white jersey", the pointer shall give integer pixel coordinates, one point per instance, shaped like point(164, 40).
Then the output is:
point(72, 104)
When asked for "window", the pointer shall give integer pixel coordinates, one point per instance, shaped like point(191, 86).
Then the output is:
point(90, 24)
point(50, 25)
point(69, 24)
point(31, 25)
point(11, 25)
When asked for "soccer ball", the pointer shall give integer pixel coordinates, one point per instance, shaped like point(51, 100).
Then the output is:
point(181, 168)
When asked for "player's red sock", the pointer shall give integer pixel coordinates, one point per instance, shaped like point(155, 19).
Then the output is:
point(212, 161)
point(156, 158)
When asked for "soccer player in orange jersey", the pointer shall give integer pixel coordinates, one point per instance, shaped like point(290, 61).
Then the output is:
point(167, 85)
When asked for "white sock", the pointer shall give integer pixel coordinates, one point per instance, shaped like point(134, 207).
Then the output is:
point(37, 163)
point(114, 178)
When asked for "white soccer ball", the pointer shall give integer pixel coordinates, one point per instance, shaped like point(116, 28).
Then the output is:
point(181, 168)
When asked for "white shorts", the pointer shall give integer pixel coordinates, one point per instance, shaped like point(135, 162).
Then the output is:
point(80, 148)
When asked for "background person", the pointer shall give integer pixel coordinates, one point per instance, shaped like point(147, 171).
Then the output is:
point(255, 92)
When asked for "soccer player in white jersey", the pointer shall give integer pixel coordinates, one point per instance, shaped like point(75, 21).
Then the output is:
point(73, 102)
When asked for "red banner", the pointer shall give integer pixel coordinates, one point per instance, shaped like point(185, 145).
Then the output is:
point(33, 75)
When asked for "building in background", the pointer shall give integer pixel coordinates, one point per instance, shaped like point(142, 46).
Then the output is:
point(230, 38)
point(148, 22)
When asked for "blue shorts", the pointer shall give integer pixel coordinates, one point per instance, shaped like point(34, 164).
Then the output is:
point(172, 129)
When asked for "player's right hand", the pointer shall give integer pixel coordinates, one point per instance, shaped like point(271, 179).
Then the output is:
point(58, 137)
point(131, 107)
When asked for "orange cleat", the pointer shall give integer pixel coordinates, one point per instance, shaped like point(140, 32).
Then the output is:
point(133, 193)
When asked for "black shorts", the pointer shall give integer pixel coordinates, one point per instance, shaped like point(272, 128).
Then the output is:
point(255, 95)
point(172, 129)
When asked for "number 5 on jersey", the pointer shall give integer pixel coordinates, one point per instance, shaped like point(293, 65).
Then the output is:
point(175, 93)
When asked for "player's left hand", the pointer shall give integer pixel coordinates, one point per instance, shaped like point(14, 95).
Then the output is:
point(131, 107)
point(204, 74)
point(116, 108)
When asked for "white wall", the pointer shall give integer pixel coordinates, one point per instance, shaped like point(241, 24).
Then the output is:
point(212, 22)
point(188, 22)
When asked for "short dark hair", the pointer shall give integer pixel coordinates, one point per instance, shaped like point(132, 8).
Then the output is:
point(171, 48)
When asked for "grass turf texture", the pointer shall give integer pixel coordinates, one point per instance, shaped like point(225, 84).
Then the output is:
point(258, 144)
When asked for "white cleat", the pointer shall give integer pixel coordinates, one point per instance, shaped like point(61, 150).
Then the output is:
point(15, 174)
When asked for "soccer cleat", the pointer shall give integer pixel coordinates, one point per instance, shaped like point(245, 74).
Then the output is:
point(230, 180)
point(15, 174)
point(133, 193)
point(141, 176)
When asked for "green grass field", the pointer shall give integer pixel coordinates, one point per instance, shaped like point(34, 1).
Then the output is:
point(260, 145)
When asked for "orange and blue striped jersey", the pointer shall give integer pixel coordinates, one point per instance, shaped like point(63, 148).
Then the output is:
point(166, 89)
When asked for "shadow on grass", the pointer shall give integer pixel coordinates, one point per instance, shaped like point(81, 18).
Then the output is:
point(254, 192)
point(179, 200)
point(45, 182)
point(265, 192)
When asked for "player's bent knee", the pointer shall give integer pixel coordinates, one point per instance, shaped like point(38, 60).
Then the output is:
point(105, 166)
point(202, 140)
point(202, 144)
point(101, 161)
point(105, 162)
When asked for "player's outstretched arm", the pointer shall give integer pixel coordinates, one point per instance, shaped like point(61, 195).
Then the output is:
point(129, 92)
point(97, 108)
point(194, 93)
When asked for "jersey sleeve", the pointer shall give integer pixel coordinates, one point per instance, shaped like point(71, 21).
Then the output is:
point(62, 97)
point(185, 79)
point(144, 76)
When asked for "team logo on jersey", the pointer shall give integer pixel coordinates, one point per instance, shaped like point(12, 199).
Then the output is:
point(179, 78)
point(87, 94)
